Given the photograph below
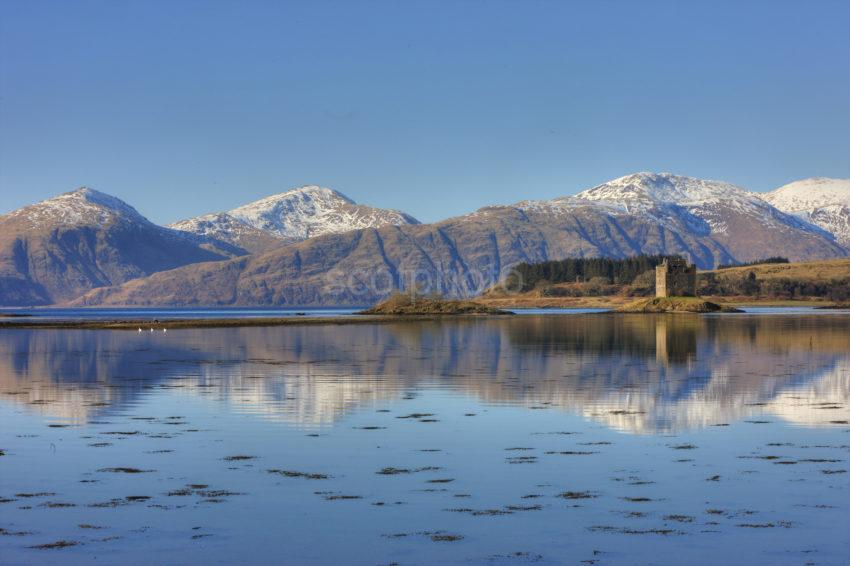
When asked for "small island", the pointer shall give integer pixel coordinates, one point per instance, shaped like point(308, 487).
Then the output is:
point(675, 304)
point(402, 304)
point(675, 292)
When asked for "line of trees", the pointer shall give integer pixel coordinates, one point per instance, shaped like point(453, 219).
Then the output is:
point(527, 276)
point(635, 276)
point(748, 284)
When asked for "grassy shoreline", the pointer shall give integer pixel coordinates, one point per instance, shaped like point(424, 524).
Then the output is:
point(614, 301)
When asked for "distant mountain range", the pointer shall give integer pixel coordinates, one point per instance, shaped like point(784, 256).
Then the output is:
point(60, 248)
point(314, 246)
point(290, 217)
point(821, 201)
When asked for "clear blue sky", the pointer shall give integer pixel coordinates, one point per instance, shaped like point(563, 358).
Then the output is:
point(436, 108)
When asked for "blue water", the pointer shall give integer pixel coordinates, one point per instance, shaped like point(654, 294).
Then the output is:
point(171, 313)
point(263, 312)
point(532, 439)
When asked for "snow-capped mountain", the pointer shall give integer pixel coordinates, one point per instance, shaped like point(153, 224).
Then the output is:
point(740, 224)
point(291, 216)
point(61, 247)
point(226, 227)
point(314, 239)
point(82, 206)
point(704, 205)
point(709, 222)
point(822, 201)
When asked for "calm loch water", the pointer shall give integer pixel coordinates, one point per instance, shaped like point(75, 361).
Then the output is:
point(594, 439)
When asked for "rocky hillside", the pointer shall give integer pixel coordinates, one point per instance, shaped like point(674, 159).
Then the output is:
point(819, 200)
point(60, 248)
point(227, 228)
point(291, 216)
point(709, 222)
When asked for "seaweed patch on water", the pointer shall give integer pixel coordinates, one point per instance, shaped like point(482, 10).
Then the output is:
point(57, 504)
point(238, 458)
point(56, 544)
point(390, 471)
point(119, 502)
point(783, 524)
point(296, 474)
point(629, 531)
point(571, 452)
point(123, 470)
point(679, 518)
point(481, 512)
point(436, 536)
point(446, 537)
point(577, 495)
point(341, 497)
point(521, 460)
point(523, 507)
point(8, 533)
point(137, 497)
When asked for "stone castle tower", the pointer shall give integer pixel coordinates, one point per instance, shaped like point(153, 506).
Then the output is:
point(675, 278)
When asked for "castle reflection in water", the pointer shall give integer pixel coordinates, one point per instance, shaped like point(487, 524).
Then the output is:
point(639, 374)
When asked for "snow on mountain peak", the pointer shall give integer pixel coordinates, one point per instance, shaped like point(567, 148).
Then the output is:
point(822, 201)
point(312, 211)
point(81, 206)
point(670, 200)
point(663, 188)
point(297, 214)
point(306, 193)
point(807, 194)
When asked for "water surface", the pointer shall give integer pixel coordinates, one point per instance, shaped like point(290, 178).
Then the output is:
point(545, 439)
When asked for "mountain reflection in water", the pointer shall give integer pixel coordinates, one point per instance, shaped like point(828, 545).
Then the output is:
point(640, 374)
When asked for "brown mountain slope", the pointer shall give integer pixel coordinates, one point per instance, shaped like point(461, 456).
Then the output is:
point(58, 249)
point(459, 257)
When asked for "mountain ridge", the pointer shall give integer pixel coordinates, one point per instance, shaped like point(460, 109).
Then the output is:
point(710, 222)
point(61, 247)
point(822, 201)
point(291, 216)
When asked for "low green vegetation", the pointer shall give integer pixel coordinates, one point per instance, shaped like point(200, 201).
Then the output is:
point(412, 304)
point(774, 259)
point(754, 283)
point(675, 304)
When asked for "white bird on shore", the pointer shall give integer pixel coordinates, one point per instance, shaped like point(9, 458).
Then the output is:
point(165, 330)
point(151, 329)
point(140, 329)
